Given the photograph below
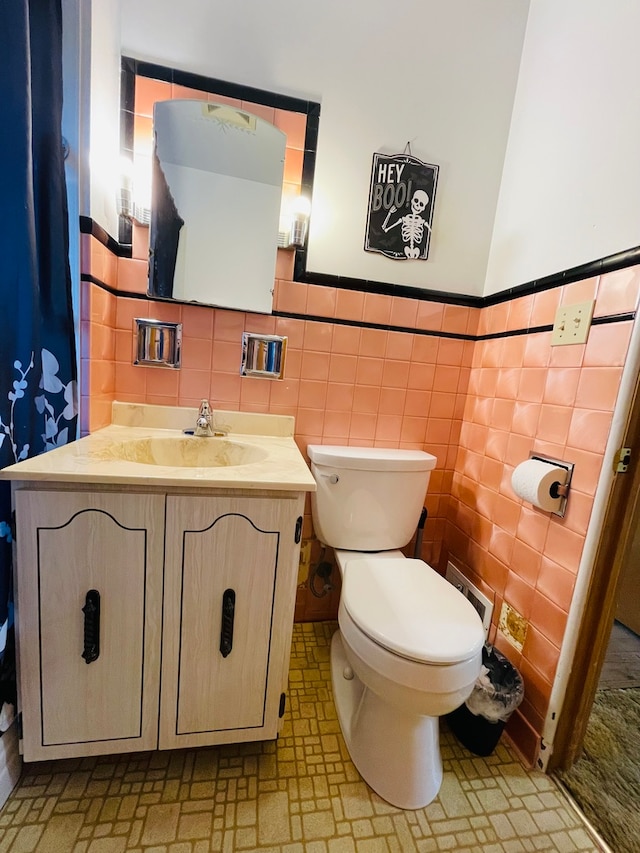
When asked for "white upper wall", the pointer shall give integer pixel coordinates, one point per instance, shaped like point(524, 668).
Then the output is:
point(441, 75)
point(570, 191)
point(104, 114)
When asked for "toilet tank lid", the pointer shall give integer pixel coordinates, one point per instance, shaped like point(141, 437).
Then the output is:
point(371, 458)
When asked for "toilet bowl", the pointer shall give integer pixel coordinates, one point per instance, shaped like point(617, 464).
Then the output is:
point(409, 644)
point(408, 651)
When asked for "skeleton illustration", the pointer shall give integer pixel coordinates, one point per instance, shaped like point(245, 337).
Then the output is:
point(413, 224)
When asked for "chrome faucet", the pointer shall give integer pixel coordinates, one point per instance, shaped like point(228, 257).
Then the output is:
point(203, 422)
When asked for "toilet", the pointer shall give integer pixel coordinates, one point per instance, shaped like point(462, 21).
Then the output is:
point(409, 645)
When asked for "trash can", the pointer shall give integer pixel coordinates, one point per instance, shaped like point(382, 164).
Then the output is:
point(498, 691)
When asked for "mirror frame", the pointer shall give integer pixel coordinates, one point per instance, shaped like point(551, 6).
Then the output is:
point(132, 68)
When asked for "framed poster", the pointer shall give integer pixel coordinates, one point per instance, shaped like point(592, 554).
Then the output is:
point(401, 201)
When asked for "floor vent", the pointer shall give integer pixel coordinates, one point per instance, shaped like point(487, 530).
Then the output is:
point(482, 604)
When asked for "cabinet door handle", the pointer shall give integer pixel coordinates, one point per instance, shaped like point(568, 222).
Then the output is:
point(91, 612)
point(226, 631)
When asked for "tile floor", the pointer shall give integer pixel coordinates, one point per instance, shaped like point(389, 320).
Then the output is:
point(300, 794)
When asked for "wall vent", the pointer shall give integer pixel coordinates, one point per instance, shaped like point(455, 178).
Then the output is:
point(482, 604)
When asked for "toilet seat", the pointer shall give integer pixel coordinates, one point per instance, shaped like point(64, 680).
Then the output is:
point(409, 609)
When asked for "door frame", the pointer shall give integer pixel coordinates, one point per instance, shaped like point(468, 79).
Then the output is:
point(621, 515)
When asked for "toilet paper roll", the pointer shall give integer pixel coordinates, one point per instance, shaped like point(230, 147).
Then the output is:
point(532, 481)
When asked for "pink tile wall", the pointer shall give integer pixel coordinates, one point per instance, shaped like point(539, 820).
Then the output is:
point(526, 395)
point(97, 341)
point(343, 383)
point(479, 406)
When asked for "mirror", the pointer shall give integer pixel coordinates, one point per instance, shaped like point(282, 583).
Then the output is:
point(215, 204)
point(224, 251)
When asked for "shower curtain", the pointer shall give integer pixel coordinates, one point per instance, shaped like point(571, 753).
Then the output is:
point(38, 408)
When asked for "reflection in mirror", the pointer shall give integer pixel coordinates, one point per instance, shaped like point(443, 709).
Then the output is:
point(263, 355)
point(216, 197)
point(157, 343)
point(145, 85)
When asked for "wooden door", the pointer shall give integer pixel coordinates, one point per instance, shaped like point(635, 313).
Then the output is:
point(224, 639)
point(107, 545)
point(628, 591)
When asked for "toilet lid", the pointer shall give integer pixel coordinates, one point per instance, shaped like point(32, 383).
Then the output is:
point(411, 610)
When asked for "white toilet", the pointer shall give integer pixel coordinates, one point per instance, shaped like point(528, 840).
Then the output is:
point(409, 648)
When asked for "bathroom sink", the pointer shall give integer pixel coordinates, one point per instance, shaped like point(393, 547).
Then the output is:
point(188, 452)
point(154, 446)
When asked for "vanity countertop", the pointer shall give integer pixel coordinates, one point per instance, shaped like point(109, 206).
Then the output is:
point(111, 455)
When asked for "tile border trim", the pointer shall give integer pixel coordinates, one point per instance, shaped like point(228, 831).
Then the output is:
point(364, 324)
point(611, 263)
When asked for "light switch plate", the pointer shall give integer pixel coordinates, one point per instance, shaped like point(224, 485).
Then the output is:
point(572, 323)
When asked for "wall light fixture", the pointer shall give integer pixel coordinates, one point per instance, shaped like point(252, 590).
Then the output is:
point(294, 222)
point(134, 194)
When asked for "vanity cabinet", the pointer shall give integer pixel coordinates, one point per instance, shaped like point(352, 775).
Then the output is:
point(230, 575)
point(149, 620)
point(68, 545)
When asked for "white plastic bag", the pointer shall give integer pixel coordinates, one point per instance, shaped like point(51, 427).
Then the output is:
point(499, 688)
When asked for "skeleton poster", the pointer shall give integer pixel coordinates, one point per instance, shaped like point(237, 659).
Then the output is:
point(401, 201)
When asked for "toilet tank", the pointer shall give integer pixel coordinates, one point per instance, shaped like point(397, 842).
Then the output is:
point(367, 498)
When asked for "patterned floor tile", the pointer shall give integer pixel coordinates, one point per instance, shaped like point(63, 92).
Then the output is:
point(300, 794)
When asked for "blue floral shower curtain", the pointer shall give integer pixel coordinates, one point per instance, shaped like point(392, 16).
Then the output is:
point(37, 345)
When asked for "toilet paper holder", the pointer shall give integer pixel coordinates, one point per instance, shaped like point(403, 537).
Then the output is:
point(558, 490)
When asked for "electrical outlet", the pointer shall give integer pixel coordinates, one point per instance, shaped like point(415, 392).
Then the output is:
point(513, 626)
point(572, 323)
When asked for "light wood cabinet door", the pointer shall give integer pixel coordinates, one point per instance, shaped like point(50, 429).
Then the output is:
point(70, 544)
point(230, 575)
